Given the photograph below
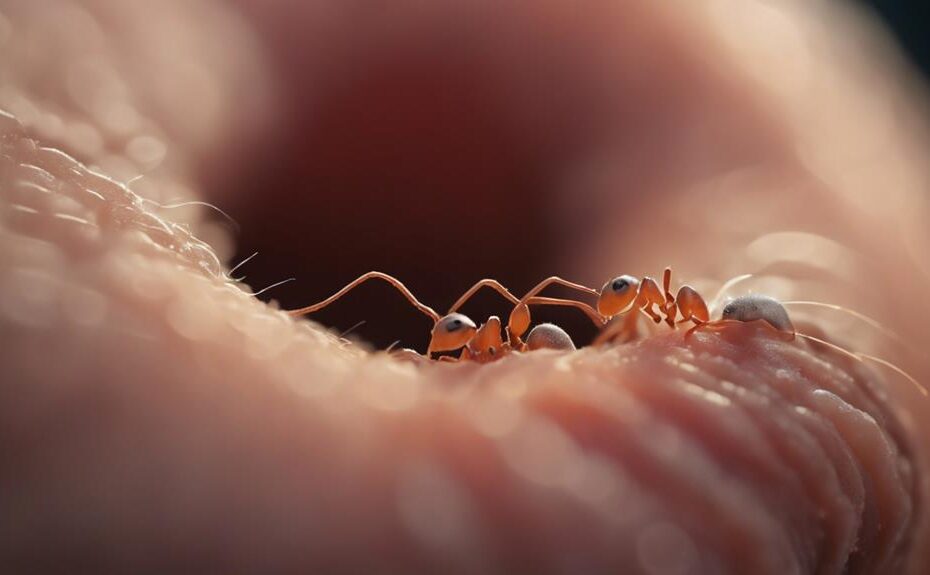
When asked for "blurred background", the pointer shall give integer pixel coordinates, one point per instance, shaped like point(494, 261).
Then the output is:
point(447, 147)
point(908, 23)
point(446, 142)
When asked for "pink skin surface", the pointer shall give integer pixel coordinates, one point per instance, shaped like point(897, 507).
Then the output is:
point(154, 416)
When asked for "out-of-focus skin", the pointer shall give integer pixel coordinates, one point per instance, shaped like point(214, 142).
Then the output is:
point(154, 416)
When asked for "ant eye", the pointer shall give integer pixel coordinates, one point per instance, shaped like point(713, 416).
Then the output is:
point(621, 284)
point(455, 322)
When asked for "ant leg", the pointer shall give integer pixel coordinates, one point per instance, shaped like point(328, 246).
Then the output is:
point(716, 325)
point(519, 320)
point(671, 304)
point(520, 317)
point(651, 312)
point(589, 311)
point(557, 281)
point(428, 311)
point(704, 325)
point(408, 355)
point(671, 307)
point(493, 284)
point(697, 326)
point(487, 343)
point(647, 309)
point(649, 296)
point(671, 312)
point(514, 343)
point(621, 330)
point(666, 283)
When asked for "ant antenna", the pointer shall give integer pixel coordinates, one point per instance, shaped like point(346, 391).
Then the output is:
point(727, 286)
point(557, 281)
point(425, 309)
point(874, 323)
point(493, 284)
point(862, 356)
point(588, 310)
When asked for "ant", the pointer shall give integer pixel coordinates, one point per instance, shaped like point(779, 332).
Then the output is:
point(455, 331)
point(619, 296)
point(625, 294)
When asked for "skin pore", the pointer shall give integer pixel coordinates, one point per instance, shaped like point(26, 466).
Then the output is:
point(154, 416)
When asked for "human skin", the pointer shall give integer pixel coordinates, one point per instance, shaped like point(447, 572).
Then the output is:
point(157, 417)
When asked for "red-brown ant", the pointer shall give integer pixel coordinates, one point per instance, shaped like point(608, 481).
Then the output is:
point(455, 331)
point(626, 295)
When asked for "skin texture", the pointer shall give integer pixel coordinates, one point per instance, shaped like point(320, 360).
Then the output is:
point(156, 417)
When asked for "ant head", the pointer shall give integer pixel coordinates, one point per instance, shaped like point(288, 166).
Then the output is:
point(617, 295)
point(451, 332)
point(549, 336)
point(754, 307)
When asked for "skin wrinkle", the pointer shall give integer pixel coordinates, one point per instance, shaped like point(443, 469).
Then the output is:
point(693, 487)
point(772, 464)
point(122, 211)
point(783, 432)
point(902, 459)
point(744, 551)
point(790, 394)
point(892, 498)
point(518, 523)
point(173, 273)
point(856, 391)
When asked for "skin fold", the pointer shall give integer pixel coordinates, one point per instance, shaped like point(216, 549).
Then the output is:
point(155, 416)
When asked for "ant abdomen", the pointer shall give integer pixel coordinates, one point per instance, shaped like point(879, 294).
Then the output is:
point(549, 336)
